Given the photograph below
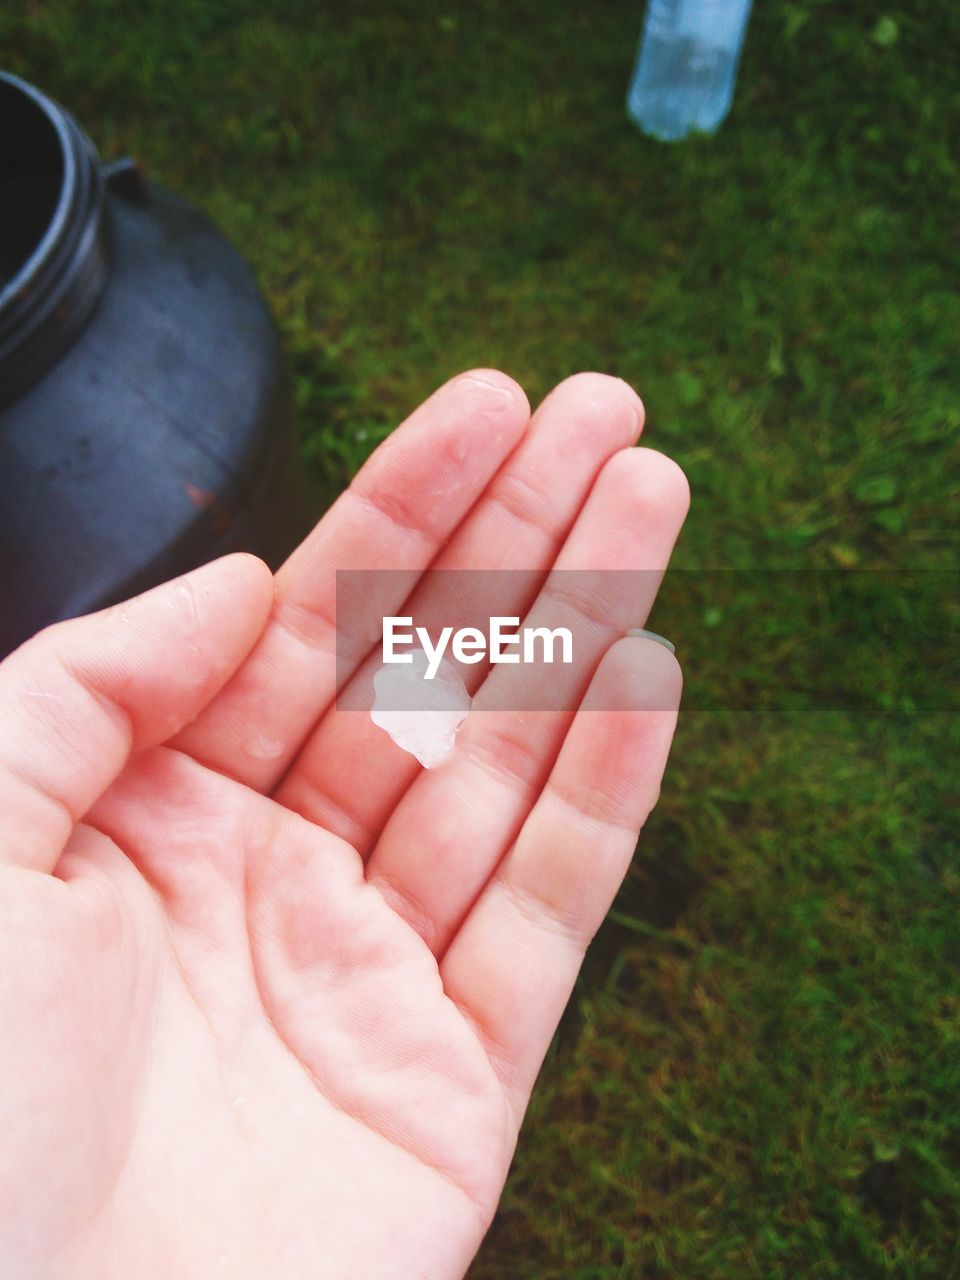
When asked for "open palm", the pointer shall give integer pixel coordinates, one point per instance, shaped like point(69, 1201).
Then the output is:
point(273, 998)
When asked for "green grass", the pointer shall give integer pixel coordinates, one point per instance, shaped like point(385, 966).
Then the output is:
point(759, 1074)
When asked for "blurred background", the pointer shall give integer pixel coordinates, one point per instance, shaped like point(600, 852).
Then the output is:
point(759, 1072)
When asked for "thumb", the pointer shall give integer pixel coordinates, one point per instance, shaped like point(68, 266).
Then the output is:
point(82, 696)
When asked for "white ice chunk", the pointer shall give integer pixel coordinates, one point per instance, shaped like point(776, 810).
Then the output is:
point(421, 716)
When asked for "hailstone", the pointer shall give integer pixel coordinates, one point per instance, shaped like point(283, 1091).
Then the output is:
point(421, 716)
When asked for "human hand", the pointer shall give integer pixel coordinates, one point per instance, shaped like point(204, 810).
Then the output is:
point(273, 998)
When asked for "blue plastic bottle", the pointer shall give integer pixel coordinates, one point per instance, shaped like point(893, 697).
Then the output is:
point(686, 66)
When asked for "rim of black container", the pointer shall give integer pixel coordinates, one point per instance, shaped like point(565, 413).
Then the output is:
point(47, 303)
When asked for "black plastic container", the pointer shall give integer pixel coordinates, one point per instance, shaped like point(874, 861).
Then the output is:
point(146, 420)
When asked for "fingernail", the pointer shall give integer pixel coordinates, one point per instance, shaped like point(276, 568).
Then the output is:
point(506, 393)
point(652, 635)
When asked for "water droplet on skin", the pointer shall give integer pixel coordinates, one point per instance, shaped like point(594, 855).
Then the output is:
point(263, 748)
point(183, 599)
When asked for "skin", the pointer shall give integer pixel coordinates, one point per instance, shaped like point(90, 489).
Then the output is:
point(273, 998)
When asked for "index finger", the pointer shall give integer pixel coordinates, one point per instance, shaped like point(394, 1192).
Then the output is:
point(399, 511)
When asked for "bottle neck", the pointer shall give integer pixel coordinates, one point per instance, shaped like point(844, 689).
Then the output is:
point(53, 227)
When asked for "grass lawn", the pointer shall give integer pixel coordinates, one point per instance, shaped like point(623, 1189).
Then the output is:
point(759, 1073)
